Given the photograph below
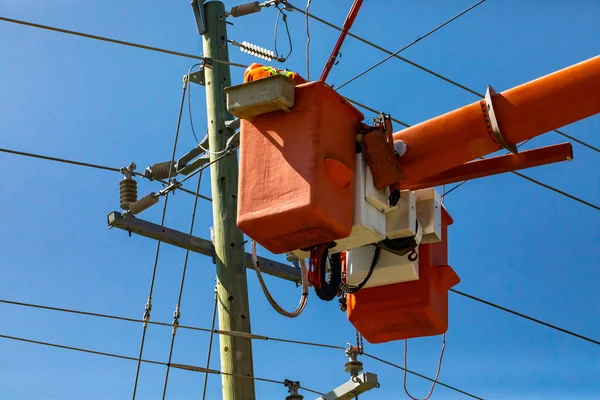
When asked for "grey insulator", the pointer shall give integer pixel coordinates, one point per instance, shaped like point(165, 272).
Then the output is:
point(161, 170)
point(245, 9)
point(144, 203)
point(128, 192)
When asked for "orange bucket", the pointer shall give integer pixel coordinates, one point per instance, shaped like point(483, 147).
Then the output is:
point(411, 309)
point(296, 184)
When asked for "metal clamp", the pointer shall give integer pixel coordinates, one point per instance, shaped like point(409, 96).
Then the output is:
point(492, 122)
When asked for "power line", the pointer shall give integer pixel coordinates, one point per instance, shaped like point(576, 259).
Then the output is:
point(561, 192)
point(466, 180)
point(381, 360)
point(129, 358)
point(527, 317)
point(375, 111)
point(148, 306)
point(216, 331)
point(210, 342)
point(177, 313)
point(116, 41)
point(411, 44)
point(89, 165)
point(311, 344)
point(177, 53)
point(422, 68)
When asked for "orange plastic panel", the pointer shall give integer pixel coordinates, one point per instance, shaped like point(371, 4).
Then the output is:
point(296, 185)
point(411, 309)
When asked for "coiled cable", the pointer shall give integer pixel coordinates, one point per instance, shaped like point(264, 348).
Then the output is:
point(274, 304)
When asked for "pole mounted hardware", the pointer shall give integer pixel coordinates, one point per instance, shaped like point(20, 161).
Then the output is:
point(359, 383)
point(293, 387)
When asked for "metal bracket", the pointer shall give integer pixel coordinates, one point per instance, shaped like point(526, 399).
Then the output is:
point(198, 76)
point(198, 8)
point(355, 386)
point(184, 167)
point(490, 92)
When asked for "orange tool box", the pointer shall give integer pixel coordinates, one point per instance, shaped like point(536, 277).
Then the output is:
point(411, 309)
point(296, 183)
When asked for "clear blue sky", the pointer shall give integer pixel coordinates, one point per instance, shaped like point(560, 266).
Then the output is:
point(512, 242)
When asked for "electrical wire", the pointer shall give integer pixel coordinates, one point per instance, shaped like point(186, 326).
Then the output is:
point(148, 307)
point(465, 181)
point(282, 14)
point(411, 44)
point(544, 185)
point(189, 101)
point(391, 364)
point(282, 340)
point(123, 357)
point(177, 313)
point(527, 317)
point(375, 111)
point(210, 342)
point(121, 42)
point(307, 40)
point(271, 299)
point(437, 374)
point(298, 342)
point(89, 165)
point(307, 14)
point(422, 68)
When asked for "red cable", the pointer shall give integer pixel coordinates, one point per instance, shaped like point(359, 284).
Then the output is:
point(314, 272)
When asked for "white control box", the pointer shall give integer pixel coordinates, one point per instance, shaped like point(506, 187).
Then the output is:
point(402, 220)
point(390, 269)
point(370, 205)
point(369, 222)
point(429, 214)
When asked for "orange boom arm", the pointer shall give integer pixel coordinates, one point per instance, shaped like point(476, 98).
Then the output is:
point(520, 113)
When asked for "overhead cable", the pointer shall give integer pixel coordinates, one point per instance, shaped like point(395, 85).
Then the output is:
point(210, 343)
point(177, 313)
point(427, 70)
point(381, 360)
point(148, 307)
point(121, 42)
point(221, 332)
point(89, 165)
point(527, 317)
point(123, 357)
point(466, 180)
point(411, 44)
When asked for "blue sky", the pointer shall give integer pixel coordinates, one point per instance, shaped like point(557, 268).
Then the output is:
point(512, 242)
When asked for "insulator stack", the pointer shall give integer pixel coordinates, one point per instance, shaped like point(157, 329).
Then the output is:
point(245, 9)
point(163, 170)
point(128, 192)
point(144, 203)
point(257, 51)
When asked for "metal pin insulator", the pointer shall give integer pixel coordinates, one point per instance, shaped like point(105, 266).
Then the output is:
point(144, 203)
point(128, 192)
point(245, 9)
point(162, 170)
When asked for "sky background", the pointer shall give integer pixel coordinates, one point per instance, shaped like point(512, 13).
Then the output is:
point(512, 242)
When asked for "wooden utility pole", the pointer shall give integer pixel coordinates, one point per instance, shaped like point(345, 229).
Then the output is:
point(234, 314)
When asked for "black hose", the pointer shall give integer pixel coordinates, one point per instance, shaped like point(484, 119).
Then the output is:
point(329, 287)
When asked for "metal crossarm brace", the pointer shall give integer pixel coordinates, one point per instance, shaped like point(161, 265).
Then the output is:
point(355, 386)
point(198, 245)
